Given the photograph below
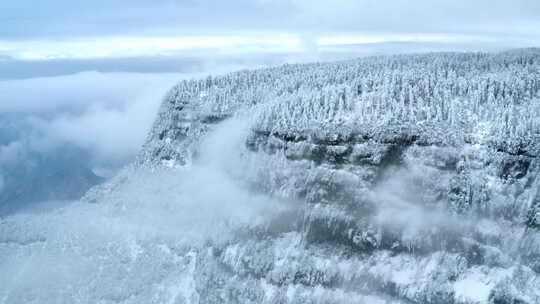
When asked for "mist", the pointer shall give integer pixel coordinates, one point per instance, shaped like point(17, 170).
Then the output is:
point(160, 217)
point(61, 135)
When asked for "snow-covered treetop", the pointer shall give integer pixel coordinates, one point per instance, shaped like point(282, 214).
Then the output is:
point(437, 98)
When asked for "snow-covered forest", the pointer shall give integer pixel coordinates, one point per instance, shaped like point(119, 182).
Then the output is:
point(391, 179)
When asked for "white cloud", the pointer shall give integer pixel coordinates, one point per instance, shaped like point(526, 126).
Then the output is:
point(111, 134)
point(197, 46)
point(106, 115)
point(137, 46)
point(74, 93)
point(72, 124)
point(370, 38)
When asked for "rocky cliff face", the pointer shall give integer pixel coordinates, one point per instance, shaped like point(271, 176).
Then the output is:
point(418, 176)
point(403, 179)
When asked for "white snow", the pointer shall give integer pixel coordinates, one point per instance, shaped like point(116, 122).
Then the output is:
point(476, 284)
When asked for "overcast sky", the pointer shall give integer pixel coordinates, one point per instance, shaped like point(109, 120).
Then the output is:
point(42, 29)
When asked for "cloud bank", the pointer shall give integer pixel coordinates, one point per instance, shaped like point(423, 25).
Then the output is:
point(105, 114)
point(58, 135)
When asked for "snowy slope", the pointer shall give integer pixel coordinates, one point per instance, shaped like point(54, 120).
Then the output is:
point(401, 179)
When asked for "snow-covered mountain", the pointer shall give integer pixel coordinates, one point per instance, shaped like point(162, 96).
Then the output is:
point(395, 179)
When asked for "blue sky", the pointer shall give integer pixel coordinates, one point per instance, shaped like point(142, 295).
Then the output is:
point(59, 29)
point(57, 18)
